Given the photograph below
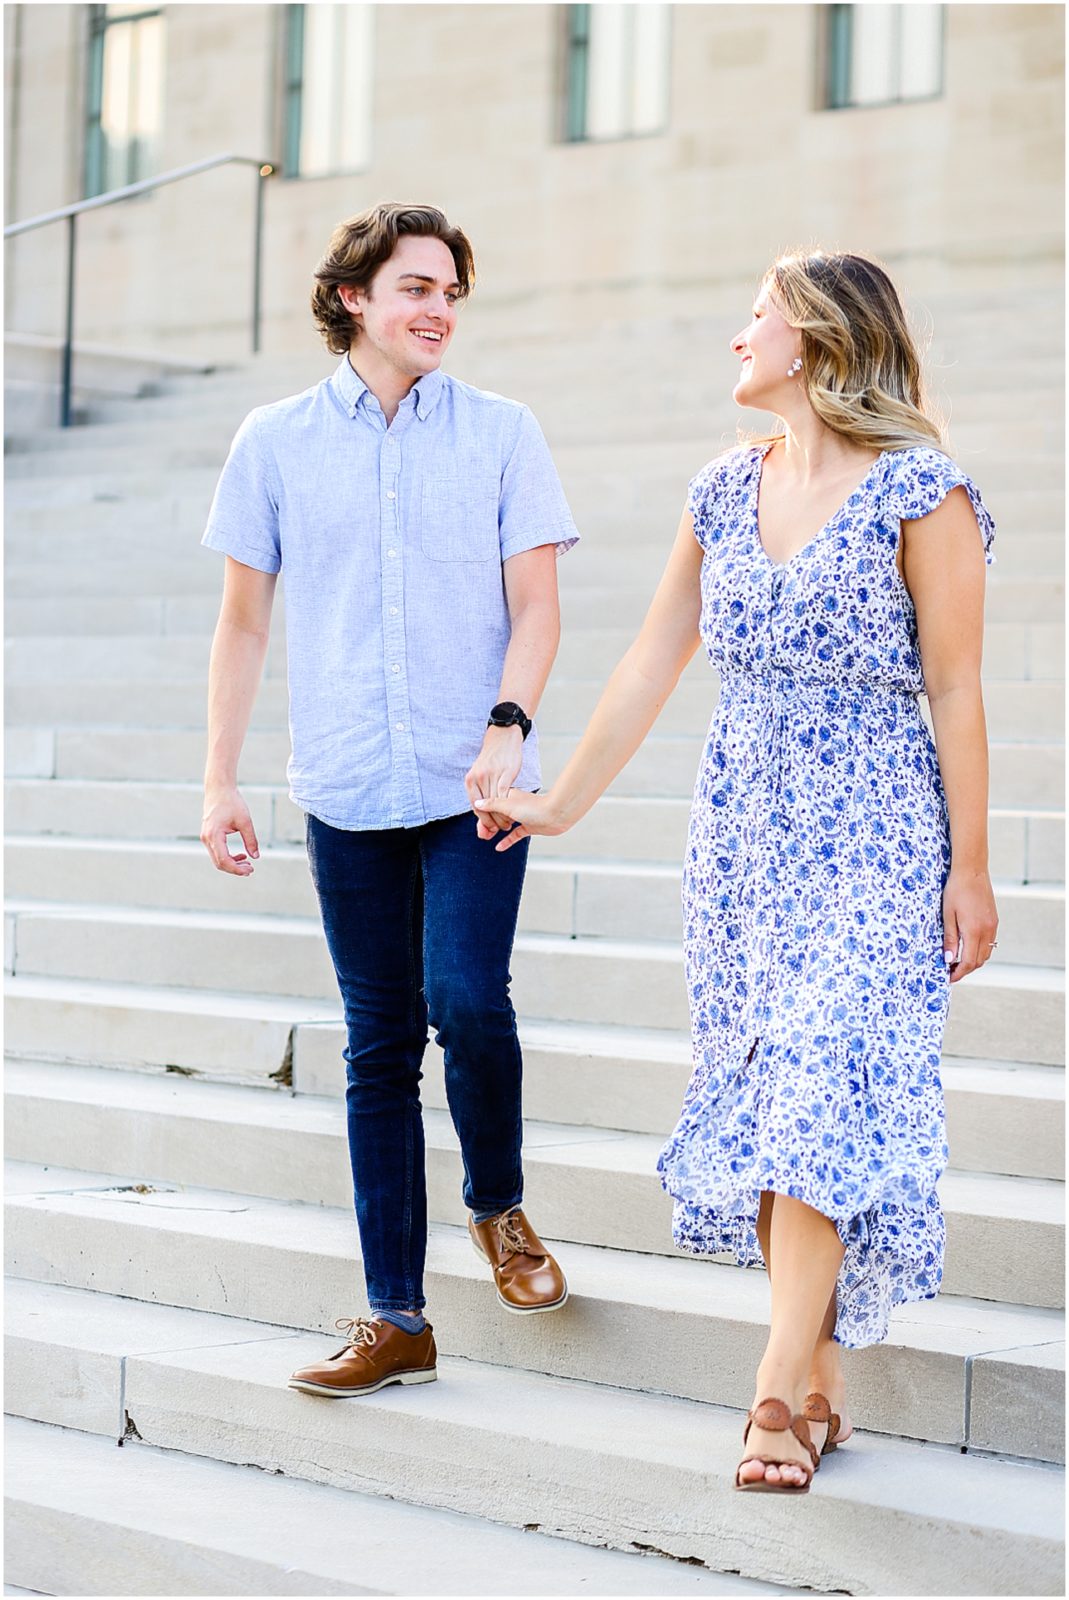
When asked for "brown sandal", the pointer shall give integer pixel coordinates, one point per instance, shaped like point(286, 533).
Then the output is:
point(817, 1408)
point(775, 1416)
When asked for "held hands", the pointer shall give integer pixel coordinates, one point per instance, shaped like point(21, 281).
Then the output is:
point(226, 812)
point(970, 922)
point(533, 813)
point(493, 773)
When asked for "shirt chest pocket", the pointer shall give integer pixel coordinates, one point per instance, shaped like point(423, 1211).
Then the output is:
point(459, 518)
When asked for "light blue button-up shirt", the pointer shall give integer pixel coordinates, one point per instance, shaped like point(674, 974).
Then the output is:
point(391, 543)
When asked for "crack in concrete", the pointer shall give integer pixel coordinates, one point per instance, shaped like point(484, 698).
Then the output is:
point(283, 1074)
point(129, 1429)
point(655, 1550)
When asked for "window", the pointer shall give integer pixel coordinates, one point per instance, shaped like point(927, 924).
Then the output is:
point(125, 98)
point(617, 71)
point(328, 90)
point(878, 54)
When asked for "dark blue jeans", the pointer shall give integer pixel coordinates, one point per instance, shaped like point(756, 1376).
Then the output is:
point(420, 924)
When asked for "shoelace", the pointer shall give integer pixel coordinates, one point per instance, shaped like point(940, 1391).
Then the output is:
point(511, 1236)
point(360, 1331)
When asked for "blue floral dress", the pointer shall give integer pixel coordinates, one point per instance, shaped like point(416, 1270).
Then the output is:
point(812, 892)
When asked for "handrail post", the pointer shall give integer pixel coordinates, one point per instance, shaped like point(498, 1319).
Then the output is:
point(257, 257)
point(68, 336)
point(70, 214)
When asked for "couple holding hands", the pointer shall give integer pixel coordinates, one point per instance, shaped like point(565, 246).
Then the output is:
point(835, 882)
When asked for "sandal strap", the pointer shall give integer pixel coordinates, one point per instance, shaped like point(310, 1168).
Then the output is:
point(800, 1429)
point(817, 1408)
point(775, 1417)
point(772, 1415)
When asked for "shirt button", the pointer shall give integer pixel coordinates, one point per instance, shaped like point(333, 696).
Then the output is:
point(390, 495)
point(393, 611)
point(395, 669)
point(400, 727)
point(391, 552)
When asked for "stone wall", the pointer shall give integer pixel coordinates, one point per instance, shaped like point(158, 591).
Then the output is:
point(959, 193)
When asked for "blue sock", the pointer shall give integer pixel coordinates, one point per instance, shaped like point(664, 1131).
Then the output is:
point(401, 1319)
point(484, 1216)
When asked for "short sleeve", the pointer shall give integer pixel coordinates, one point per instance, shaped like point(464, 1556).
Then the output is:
point(920, 481)
point(704, 495)
point(533, 510)
point(243, 520)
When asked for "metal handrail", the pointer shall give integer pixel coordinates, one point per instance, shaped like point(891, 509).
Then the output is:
point(70, 214)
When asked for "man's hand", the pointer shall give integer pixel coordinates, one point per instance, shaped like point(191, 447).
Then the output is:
point(492, 775)
point(225, 812)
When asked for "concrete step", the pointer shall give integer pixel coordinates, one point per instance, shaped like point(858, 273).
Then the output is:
point(172, 562)
point(1001, 1117)
point(1012, 650)
point(225, 1038)
point(1012, 1012)
point(209, 419)
point(630, 510)
point(1024, 710)
point(574, 897)
point(1027, 845)
point(141, 578)
point(1023, 776)
point(83, 1517)
point(609, 1468)
point(941, 1375)
point(138, 810)
point(173, 430)
point(585, 1185)
point(1009, 598)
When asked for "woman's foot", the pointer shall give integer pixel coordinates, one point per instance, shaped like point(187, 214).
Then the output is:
point(826, 1379)
point(775, 1455)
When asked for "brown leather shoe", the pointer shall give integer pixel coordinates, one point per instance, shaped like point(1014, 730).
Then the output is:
point(377, 1353)
point(527, 1277)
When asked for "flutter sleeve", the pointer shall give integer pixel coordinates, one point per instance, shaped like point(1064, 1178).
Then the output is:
point(704, 493)
point(921, 480)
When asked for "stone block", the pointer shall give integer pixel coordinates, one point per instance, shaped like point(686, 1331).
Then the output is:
point(587, 1185)
point(64, 1350)
point(29, 753)
point(117, 810)
point(1017, 1401)
point(230, 1038)
point(702, 1324)
point(1012, 1013)
point(1045, 849)
point(588, 1450)
point(87, 1516)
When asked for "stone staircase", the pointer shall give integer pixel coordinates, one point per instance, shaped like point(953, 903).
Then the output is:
point(179, 1227)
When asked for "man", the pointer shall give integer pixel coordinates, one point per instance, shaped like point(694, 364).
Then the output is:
point(417, 522)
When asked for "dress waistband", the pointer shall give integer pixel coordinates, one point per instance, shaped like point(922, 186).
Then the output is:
point(781, 680)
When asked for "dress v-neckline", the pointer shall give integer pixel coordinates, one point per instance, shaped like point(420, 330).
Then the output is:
point(836, 514)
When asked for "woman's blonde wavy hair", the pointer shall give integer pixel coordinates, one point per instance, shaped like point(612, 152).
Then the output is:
point(860, 365)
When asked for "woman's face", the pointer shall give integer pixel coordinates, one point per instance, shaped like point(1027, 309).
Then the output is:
point(766, 349)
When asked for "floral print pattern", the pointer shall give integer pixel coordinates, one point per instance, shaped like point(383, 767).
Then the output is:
point(812, 893)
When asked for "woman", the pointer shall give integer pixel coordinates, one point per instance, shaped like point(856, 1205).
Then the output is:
point(836, 877)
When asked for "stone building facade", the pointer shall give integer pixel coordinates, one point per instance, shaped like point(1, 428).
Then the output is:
point(624, 171)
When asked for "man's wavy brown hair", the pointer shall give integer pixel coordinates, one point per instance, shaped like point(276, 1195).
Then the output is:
point(361, 245)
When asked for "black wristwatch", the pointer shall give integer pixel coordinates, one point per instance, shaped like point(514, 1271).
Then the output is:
point(507, 714)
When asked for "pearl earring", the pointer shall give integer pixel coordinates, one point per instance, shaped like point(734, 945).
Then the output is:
point(795, 366)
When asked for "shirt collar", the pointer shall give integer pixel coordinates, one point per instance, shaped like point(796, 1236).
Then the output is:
point(351, 389)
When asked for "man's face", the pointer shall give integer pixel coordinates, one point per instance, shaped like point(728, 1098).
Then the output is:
point(409, 310)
